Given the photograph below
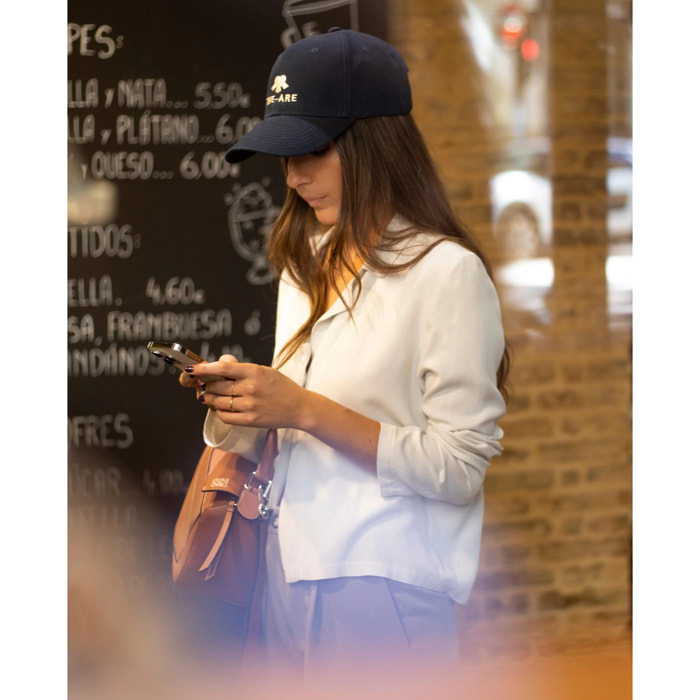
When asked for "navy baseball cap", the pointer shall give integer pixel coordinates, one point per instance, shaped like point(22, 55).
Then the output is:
point(319, 86)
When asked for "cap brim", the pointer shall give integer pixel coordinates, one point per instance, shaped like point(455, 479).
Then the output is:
point(286, 135)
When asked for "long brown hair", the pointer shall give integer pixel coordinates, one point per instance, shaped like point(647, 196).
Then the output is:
point(386, 171)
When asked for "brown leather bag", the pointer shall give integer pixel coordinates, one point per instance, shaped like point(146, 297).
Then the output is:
point(218, 542)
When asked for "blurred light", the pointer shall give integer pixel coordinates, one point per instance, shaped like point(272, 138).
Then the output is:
point(92, 203)
point(618, 270)
point(512, 26)
point(89, 201)
point(530, 50)
point(535, 272)
point(538, 273)
point(479, 34)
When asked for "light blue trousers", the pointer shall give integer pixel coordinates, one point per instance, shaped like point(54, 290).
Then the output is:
point(343, 623)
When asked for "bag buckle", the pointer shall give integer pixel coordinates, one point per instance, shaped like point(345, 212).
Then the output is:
point(263, 490)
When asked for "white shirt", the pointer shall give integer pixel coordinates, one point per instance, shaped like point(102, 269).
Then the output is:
point(420, 356)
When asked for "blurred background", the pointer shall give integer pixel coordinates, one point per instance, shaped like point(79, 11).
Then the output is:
point(527, 108)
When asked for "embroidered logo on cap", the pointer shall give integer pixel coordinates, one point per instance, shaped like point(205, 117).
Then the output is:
point(278, 84)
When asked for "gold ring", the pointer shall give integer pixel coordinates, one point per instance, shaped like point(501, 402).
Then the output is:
point(230, 407)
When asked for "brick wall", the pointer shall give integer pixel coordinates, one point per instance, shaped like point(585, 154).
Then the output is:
point(555, 566)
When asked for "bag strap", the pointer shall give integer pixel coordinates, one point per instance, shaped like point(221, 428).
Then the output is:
point(254, 634)
point(252, 502)
point(212, 560)
point(263, 476)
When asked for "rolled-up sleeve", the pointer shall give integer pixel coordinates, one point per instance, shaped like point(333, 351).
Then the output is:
point(459, 341)
point(248, 442)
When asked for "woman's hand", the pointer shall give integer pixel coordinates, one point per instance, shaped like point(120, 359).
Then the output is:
point(248, 394)
point(189, 381)
point(245, 394)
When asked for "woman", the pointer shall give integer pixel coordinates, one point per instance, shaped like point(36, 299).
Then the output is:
point(388, 376)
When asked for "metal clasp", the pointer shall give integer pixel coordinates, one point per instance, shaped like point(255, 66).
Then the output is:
point(263, 490)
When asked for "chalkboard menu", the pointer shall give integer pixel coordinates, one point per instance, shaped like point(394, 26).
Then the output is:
point(165, 242)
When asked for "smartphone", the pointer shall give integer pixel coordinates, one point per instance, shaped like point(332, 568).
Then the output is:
point(175, 354)
point(179, 356)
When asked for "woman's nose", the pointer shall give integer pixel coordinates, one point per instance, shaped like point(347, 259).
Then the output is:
point(296, 173)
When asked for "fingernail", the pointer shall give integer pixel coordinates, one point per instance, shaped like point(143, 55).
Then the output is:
point(189, 369)
point(201, 397)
